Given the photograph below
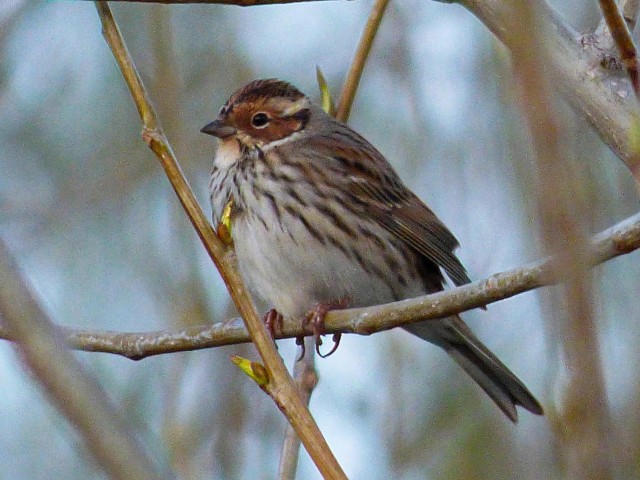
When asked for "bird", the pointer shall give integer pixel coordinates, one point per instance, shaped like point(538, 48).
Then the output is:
point(320, 220)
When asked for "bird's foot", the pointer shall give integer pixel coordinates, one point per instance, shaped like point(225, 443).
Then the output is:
point(315, 319)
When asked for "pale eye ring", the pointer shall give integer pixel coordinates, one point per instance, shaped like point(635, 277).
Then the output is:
point(260, 120)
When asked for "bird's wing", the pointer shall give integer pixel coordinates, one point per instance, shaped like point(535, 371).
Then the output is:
point(403, 214)
point(355, 166)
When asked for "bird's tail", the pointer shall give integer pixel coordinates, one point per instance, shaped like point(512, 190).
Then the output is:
point(457, 339)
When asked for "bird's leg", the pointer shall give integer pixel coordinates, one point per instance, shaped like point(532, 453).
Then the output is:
point(315, 318)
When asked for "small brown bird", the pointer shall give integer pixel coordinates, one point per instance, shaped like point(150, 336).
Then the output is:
point(320, 218)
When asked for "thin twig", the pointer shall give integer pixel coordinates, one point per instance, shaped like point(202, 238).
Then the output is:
point(618, 240)
point(83, 402)
point(622, 38)
point(281, 383)
point(306, 377)
point(360, 59)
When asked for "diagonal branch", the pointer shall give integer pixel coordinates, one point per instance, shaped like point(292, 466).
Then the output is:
point(620, 239)
point(281, 383)
point(84, 403)
point(360, 59)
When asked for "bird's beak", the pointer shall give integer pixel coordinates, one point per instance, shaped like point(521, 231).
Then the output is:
point(219, 129)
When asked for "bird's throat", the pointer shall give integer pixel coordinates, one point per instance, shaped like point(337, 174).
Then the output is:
point(228, 153)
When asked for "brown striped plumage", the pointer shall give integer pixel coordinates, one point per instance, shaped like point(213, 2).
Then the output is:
point(320, 215)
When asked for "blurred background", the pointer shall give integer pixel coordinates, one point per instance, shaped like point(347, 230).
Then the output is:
point(97, 230)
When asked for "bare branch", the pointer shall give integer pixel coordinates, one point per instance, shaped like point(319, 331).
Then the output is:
point(360, 59)
point(576, 69)
point(620, 239)
point(283, 386)
point(70, 388)
point(306, 377)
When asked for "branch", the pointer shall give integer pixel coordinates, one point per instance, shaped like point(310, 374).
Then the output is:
point(620, 239)
point(107, 437)
point(282, 384)
point(360, 59)
point(306, 377)
point(591, 90)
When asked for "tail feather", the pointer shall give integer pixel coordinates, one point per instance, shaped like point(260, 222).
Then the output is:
point(504, 388)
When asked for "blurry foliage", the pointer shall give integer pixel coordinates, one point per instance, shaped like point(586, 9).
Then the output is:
point(99, 232)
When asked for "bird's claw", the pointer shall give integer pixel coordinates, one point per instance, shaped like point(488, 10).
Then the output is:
point(336, 342)
point(273, 321)
point(300, 343)
point(315, 318)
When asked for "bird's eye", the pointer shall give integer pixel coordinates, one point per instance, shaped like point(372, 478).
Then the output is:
point(260, 120)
